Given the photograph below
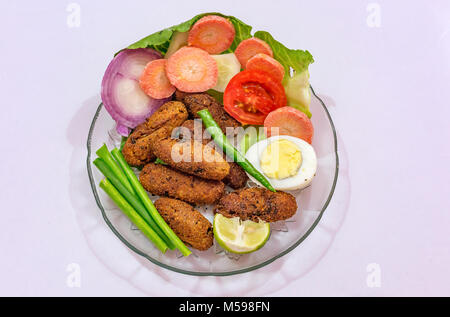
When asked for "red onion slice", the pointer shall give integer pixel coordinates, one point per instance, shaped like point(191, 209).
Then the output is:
point(122, 97)
point(122, 130)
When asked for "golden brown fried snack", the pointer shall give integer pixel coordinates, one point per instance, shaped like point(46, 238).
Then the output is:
point(237, 177)
point(164, 181)
point(196, 130)
point(191, 156)
point(136, 150)
point(172, 113)
point(197, 102)
point(257, 203)
point(179, 95)
point(187, 223)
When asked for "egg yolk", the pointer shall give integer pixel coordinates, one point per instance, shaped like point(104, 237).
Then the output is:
point(281, 159)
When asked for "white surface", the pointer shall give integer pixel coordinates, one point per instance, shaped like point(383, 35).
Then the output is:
point(387, 89)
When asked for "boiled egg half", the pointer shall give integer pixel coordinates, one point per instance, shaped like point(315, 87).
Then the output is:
point(289, 163)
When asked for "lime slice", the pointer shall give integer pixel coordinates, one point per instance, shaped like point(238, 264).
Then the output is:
point(238, 236)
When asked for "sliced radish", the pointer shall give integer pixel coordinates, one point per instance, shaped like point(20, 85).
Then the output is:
point(179, 39)
point(192, 69)
point(122, 97)
point(289, 121)
point(249, 48)
point(154, 81)
point(228, 66)
point(212, 33)
point(267, 64)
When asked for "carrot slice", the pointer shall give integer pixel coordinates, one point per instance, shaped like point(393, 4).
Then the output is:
point(212, 33)
point(249, 48)
point(289, 121)
point(154, 81)
point(267, 64)
point(192, 69)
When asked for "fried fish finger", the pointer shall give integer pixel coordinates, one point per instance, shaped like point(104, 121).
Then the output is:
point(187, 223)
point(136, 150)
point(164, 181)
point(257, 204)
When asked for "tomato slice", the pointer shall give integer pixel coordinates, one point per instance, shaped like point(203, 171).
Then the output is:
point(241, 105)
point(246, 117)
point(251, 95)
point(255, 96)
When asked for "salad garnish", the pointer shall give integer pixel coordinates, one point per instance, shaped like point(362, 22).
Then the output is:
point(154, 81)
point(289, 121)
point(212, 33)
point(251, 47)
point(251, 95)
point(121, 94)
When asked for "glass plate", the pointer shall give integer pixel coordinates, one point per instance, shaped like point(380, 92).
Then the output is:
point(285, 236)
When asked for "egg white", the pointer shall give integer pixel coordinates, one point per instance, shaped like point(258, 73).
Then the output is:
point(305, 173)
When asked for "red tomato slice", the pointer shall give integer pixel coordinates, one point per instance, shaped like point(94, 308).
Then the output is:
point(251, 95)
point(257, 97)
point(244, 116)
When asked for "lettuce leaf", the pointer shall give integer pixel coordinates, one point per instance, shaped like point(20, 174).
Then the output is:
point(298, 60)
point(160, 40)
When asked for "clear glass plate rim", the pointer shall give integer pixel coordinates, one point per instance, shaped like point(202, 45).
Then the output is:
point(240, 271)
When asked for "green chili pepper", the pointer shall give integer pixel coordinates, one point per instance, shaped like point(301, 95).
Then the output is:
point(222, 141)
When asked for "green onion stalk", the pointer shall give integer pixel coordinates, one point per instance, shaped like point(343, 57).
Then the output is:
point(134, 217)
point(132, 199)
point(142, 194)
